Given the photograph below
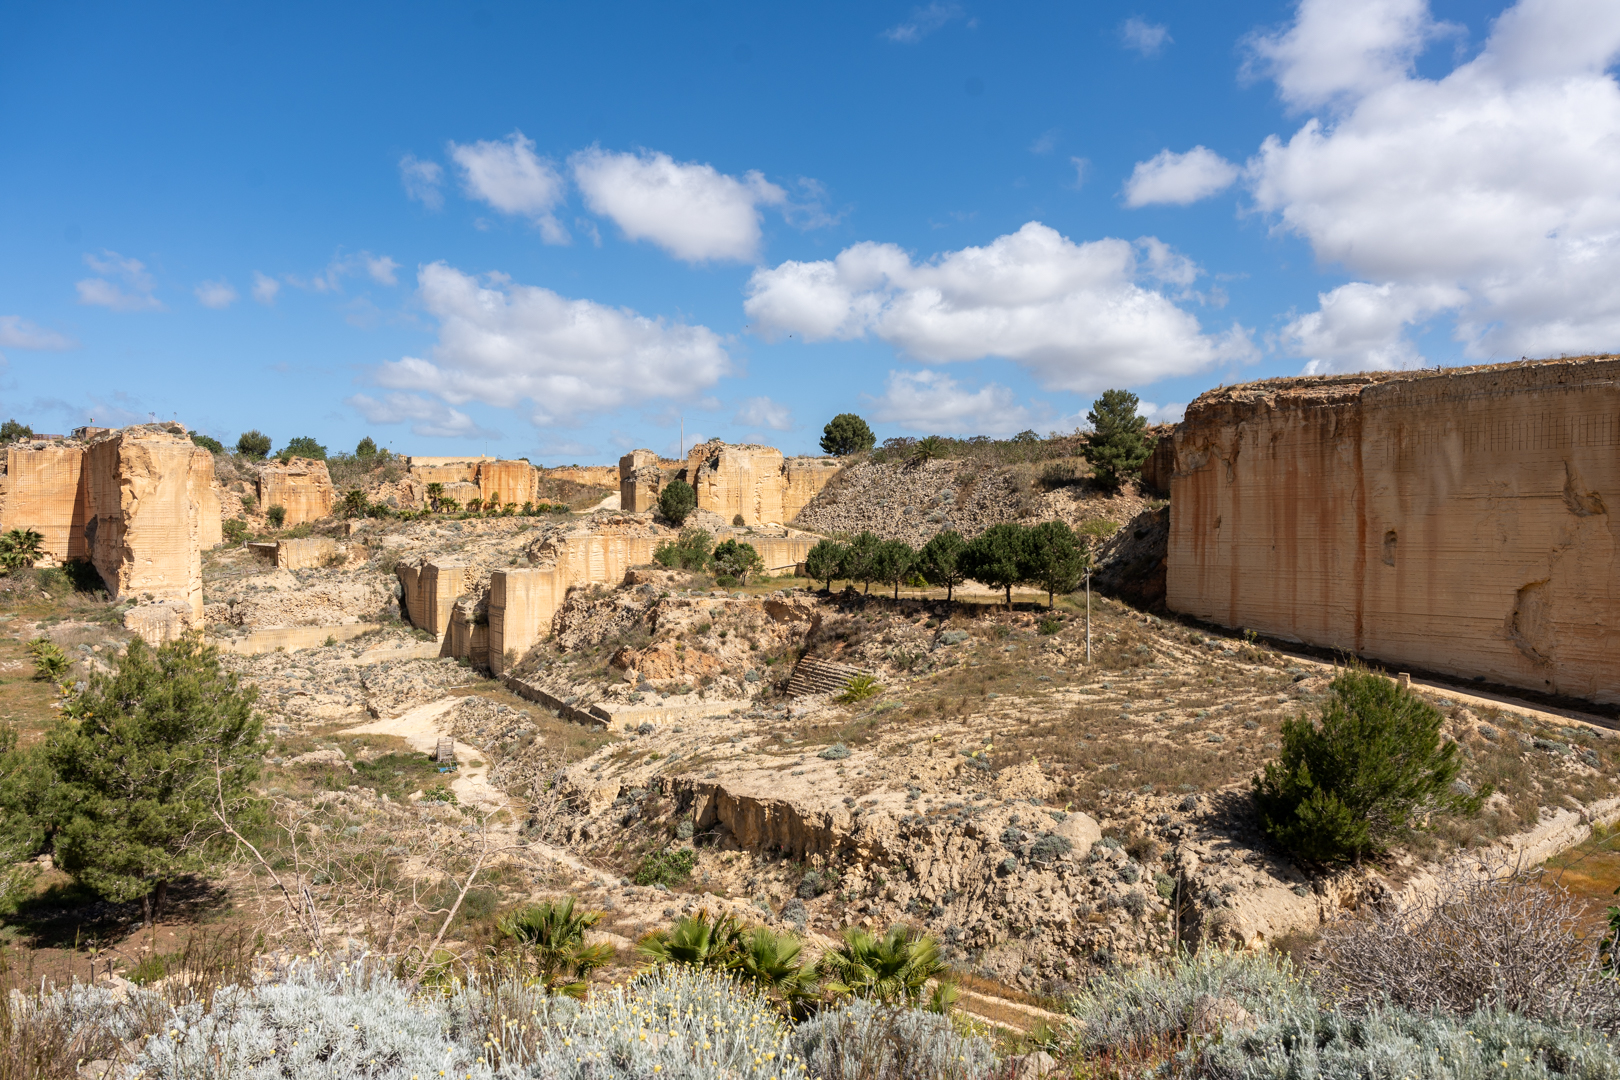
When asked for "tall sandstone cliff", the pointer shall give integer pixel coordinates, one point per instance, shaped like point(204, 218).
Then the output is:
point(1460, 521)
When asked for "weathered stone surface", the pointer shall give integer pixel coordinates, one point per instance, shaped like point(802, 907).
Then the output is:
point(303, 487)
point(1459, 521)
point(803, 479)
point(430, 590)
point(43, 489)
point(738, 481)
point(145, 533)
point(640, 481)
point(602, 476)
point(310, 551)
point(510, 481)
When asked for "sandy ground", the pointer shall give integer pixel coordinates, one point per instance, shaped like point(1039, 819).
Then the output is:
point(421, 730)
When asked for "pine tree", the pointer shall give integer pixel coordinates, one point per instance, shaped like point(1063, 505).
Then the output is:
point(894, 560)
point(1054, 558)
point(1117, 445)
point(996, 557)
point(862, 564)
point(937, 561)
point(1347, 787)
point(846, 434)
point(149, 756)
point(826, 561)
point(677, 501)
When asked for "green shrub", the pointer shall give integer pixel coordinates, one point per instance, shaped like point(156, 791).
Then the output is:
point(304, 447)
point(677, 501)
point(11, 431)
point(734, 559)
point(276, 515)
point(689, 551)
point(859, 688)
point(367, 447)
point(50, 662)
point(667, 867)
point(212, 445)
point(20, 549)
point(253, 444)
point(1349, 786)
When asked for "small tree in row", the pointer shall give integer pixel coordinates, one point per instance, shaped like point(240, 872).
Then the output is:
point(1049, 555)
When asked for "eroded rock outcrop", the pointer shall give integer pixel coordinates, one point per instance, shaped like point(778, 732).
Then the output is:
point(301, 486)
point(753, 483)
point(1460, 521)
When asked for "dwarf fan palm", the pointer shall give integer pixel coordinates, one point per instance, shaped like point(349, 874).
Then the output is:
point(896, 966)
point(554, 934)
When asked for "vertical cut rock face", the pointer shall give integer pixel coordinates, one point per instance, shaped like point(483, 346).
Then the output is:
point(303, 487)
point(738, 481)
point(1460, 521)
point(43, 489)
point(150, 493)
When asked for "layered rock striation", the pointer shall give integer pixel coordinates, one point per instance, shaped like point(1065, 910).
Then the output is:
point(753, 483)
point(1460, 521)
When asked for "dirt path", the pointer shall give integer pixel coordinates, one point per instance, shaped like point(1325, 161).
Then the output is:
point(422, 728)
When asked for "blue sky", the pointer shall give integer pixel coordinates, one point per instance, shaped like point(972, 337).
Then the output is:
point(553, 230)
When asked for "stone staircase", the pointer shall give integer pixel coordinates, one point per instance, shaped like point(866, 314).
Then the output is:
point(813, 676)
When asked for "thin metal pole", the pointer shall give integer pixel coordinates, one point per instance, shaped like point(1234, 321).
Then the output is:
point(1088, 615)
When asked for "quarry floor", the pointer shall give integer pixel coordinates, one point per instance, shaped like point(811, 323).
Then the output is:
point(929, 802)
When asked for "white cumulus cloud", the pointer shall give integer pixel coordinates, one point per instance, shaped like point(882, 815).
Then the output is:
point(1078, 316)
point(131, 291)
point(215, 294)
point(508, 175)
point(763, 412)
point(1489, 192)
point(421, 180)
point(933, 403)
point(1335, 51)
point(693, 211)
point(1147, 38)
point(502, 343)
point(17, 332)
point(1168, 177)
point(427, 416)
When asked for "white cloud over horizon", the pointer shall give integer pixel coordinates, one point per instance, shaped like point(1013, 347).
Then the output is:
point(1487, 194)
point(133, 290)
point(1077, 316)
point(762, 412)
point(693, 211)
point(503, 343)
point(17, 332)
point(1179, 179)
point(428, 417)
point(933, 403)
point(509, 176)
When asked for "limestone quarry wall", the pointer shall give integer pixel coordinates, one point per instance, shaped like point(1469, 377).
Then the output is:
point(803, 480)
point(302, 486)
point(601, 476)
point(145, 528)
point(1460, 521)
point(511, 481)
point(738, 481)
point(522, 601)
point(43, 489)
